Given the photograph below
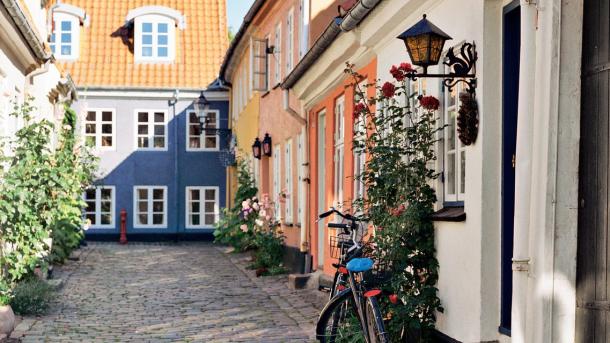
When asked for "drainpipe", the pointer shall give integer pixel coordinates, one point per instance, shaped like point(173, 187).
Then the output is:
point(523, 171)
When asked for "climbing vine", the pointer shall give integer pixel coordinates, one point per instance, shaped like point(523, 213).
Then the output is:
point(398, 139)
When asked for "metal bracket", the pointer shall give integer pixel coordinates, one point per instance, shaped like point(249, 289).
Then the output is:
point(521, 265)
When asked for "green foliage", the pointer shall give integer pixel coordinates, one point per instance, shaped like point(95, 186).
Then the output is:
point(270, 250)
point(5, 293)
point(399, 143)
point(41, 193)
point(32, 296)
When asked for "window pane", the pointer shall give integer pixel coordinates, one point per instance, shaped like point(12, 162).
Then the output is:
point(210, 142)
point(158, 193)
point(90, 206)
point(142, 129)
point(451, 131)
point(159, 130)
point(162, 52)
point(209, 219)
point(162, 28)
point(66, 25)
point(210, 194)
point(143, 206)
point(106, 193)
point(194, 143)
point(147, 51)
point(159, 142)
point(146, 27)
point(143, 142)
point(91, 218)
point(162, 40)
point(194, 130)
point(66, 50)
point(159, 117)
point(142, 194)
point(195, 219)
point(66, 38)
point(463, 172)
point(90, 194)
point(106, 140)
point(450, 167)
point(52, 39)
point(91, 116)
point(209, 207)
point(106, 206)
point(89, 128)
point(107, 116)
point(147, 39)
point(142, 117)
point(106, 219)
point(193, 118)
point(194, 194)
point(158, 206)
point(90, 141)
point(195, 208)
point(157, 219)
point(107, 128)
point(143, 219)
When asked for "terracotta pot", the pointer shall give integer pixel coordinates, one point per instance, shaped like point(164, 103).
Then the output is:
point(7, 320)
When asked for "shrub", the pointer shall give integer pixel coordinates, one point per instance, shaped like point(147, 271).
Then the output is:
point(32, 296)
point(5, 293)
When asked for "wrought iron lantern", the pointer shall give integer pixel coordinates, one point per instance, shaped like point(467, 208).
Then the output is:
point(256, 148)
point(267, 145)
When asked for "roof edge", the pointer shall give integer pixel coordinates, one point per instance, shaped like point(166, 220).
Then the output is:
point(252, 12)
point(26, 30)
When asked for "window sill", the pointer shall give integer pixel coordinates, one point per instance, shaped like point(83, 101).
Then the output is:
point(450, 214)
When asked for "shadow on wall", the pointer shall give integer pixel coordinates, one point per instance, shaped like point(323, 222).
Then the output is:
point(173, 167)
point(125, 33)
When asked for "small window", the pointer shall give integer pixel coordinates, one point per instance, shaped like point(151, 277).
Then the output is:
point(301, 158)
point(289, 41)
point(277, 54)
point(151, 130)
point(454, 151)
point(288, 193)
point(100, 128)
point(154, 39)
point(202, 208)
point(276, 180)
point(259, 64)
point(303, 28)
point(339, 150)
point(359, 155)
point(100, 201)
point(198, 140)
point(150, 206)
point(65, 36)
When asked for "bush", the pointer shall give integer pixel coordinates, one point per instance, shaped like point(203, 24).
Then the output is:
point(32, 296)
point(5, 293)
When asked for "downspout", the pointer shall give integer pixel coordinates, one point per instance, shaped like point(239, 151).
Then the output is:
point(523, 171)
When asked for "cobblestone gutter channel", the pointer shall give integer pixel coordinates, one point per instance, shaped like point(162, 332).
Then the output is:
point(172, 293)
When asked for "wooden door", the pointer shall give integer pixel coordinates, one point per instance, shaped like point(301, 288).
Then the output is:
point(592, 303)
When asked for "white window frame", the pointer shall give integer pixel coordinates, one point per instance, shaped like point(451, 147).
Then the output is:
point(288, 204)
point(303, 28)
point(203, 135)
point(339, 150)
point(58, 18)
point(277, 162)
point(301, 177)
point(202, 213)
point(150, 212)
point(278, 52)
point(359, 157)
point(151, 129)
point(268, 38)
point(259, 59)
point(98, 128)
point(289, 41)
point(457, 151)
point(98, 207)
point(155, 20)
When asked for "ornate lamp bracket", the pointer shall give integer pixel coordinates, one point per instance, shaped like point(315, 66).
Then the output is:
point(462, 66)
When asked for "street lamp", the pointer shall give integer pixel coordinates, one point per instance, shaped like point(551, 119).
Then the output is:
point(256, 148)
point(425, 41)
point(202, 107)
point(267, 145)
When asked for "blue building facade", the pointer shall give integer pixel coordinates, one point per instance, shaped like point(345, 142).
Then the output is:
point(155, 162)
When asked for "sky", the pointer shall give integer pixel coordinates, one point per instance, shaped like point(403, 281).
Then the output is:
point(236, 10)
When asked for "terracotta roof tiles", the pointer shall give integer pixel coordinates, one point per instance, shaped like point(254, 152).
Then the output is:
point(105, 61)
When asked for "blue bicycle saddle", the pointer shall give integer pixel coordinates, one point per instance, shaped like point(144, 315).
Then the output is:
point(360, 265)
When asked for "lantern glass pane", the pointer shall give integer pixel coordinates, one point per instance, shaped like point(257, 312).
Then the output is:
point(418, 48)
point(436, 48)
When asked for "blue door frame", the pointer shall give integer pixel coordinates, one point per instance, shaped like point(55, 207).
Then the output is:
point(510, 100)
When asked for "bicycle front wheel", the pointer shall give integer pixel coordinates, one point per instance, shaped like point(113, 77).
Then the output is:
point(376, 328)
point(339, 321)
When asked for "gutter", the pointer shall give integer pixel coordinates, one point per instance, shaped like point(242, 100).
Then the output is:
point(252, 12)
point(26, 30)
point(354, 17)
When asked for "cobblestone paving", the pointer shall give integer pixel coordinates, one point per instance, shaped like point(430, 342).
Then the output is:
point(172, 293)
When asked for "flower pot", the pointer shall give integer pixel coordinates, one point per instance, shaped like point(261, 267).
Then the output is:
point(7, 320)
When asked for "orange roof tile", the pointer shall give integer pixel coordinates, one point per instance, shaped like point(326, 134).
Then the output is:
point(105, 61)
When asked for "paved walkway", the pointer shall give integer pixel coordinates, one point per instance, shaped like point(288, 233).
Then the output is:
point(172, 293)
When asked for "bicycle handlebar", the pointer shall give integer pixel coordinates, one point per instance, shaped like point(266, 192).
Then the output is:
point(338, 225)
point(342, 215)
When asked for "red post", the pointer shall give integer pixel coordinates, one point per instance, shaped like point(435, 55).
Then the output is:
point(123, 239)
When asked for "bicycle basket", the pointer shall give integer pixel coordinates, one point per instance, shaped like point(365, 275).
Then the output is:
point(339, 245)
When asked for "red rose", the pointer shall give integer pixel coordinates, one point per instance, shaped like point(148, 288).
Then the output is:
point(397, 73)
point(398, 210)
point(393, 298)
point(388, 89)
point(358, 109)
point(429, 102)
point(406, 67)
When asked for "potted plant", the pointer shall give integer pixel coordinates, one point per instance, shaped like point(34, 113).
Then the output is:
point(7, 317)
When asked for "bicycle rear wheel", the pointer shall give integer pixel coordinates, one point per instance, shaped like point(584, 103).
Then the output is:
point(339, 321)
point(376, 328)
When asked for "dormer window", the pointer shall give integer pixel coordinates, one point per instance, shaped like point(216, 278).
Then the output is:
point(65, 33)
point(155, 33)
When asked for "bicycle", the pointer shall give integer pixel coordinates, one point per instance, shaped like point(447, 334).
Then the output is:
point(352, 314)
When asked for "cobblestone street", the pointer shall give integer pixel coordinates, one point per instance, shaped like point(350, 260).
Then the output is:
point(172, 293)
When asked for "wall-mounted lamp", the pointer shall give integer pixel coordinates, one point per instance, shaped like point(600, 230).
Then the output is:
point(256, 148)
point(267, 145)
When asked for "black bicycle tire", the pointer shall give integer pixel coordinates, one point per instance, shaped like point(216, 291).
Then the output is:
point(377, 320)
point(328, 310)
